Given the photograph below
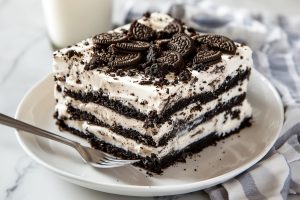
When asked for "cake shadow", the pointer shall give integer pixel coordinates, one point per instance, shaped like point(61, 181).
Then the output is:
point(121, 174)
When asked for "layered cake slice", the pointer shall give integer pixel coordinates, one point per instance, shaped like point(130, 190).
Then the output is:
point(153, 90)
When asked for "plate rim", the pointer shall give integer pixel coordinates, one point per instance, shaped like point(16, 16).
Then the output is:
point(146, 190)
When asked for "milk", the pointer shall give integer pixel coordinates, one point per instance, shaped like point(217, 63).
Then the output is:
point(70, 21)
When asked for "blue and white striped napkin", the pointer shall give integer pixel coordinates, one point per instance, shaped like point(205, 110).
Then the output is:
point(276, 44)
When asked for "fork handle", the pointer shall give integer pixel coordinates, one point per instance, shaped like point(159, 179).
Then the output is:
point(19, 125)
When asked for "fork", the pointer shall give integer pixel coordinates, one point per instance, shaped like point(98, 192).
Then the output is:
point(95, 158)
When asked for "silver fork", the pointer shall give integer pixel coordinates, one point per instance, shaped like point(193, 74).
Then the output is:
point(95, 158)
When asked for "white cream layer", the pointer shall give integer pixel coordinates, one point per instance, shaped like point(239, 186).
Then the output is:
point(182, 139)
point(111, 117)
point(130, 92)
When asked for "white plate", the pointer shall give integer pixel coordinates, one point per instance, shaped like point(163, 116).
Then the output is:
point(213, 165)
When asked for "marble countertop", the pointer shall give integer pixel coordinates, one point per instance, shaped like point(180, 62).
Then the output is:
point(25, 57)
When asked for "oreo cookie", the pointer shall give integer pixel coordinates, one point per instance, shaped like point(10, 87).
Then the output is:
point(125, 60)
point(174, 27)
point(98, 60)
point(181, 43)
point(204, 56)
point(219, 42)
point(140, 31)
point(109, 38)
point(174, 49)
point(171, 59)
point(133, 46)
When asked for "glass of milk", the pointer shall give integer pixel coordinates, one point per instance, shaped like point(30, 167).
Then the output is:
point(70, 21)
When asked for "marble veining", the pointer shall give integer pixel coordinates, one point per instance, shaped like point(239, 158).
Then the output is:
point(21, 173)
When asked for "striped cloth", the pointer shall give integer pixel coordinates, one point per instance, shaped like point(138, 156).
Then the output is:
point(275, 41)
